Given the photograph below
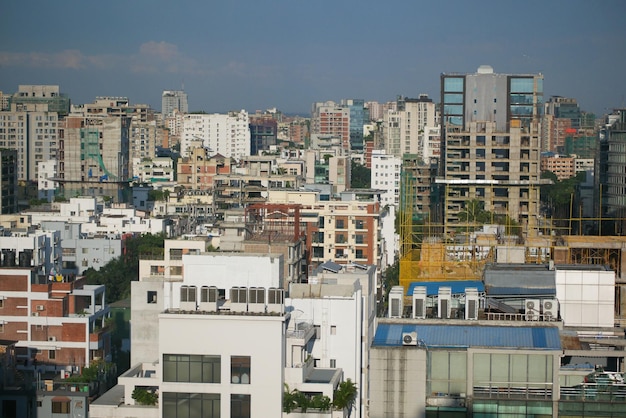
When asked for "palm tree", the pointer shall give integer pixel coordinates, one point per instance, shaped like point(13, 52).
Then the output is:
point(345, 395)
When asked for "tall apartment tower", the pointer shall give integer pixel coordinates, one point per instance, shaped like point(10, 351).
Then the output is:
point(173, 100)
point(610, 169)
point(491, 144)
point(94, 156)
point(405, 126)
point(8, 181)
point(359, 115)
point(30, 126)
point(331, 119)
point(225, 134)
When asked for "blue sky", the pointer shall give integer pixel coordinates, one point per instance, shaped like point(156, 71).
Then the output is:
point(257, 54)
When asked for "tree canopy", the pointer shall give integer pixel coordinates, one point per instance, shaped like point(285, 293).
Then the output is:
point(117, 274)
point(361, 176)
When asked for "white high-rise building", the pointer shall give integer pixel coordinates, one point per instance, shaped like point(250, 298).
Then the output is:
point(173, 100)
point(226, 134)
point(385, 175)
point(403, 127)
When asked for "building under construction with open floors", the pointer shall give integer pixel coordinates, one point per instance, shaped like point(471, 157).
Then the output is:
point(491, 144)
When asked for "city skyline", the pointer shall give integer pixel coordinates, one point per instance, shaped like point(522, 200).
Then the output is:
point(289, 54)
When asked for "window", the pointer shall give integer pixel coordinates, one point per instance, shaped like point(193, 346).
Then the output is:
point(359, 254)
point(191, 368)
point(333, 363)
point(239, 406)
point(333, 330)
point(240, 369)
point(191, 405)
point(152, 296)
point(52, 354)
point(9, 408)
point(359, 224)
point(188, 294)
point(339, 224)
point(447, 372)
point(61, 407)
point(1, 328)
point(1, 303)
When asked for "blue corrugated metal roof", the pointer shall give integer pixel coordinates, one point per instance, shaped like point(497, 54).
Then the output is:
point(458, 286)
point(544, 338)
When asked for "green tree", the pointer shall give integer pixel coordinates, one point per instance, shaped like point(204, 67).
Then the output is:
point(145, 397)
point(118, 273)
point(345, 395)
point(360, 176)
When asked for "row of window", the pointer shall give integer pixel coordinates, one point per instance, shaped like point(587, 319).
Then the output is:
point(186, 368)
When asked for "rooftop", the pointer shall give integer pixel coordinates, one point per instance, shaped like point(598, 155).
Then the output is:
point(462, 334)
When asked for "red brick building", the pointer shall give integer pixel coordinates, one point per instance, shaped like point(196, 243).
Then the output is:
point(56, 324)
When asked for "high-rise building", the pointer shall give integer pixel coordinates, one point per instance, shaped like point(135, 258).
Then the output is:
point(611, 165)
point(226, 134)
point(263, 132)
point(30, 124)
point(143, 130)
point(41, 94)
point(405, 125)
point(329, 118)
point(385, 175)
point(8, 181)
point(173, 100)
point(358, 116)
point(491, 143)
point(94, 156)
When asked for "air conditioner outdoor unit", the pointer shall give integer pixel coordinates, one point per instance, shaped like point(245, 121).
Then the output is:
point(35, 313)
point(550, 309)
point(444, 302)
point(471, 303)
point(531, 309)
point(409, 338)
point(419, 302)
point(52, 338)
point(396, 302)
point(40, 307)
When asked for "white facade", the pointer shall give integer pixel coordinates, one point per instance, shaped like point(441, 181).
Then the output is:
point(154, 170)
point(336, 314)
point(385, 175)
point(225, 134)
point(430, 141)
point(586, 297)
point(256, 339)
point(46, 171)
point(186, 264)
point(31, 249)
point(391, 240)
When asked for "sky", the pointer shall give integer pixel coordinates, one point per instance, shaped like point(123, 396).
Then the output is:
point(288, 54)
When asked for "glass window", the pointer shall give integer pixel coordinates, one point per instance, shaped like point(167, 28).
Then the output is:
point(453, 84)
point(447, 372)
point(453, 98)
point(521, 110)
point(453, 109)
point(191, 405)
point(239, 406)
point(522, 85)
point(61, 407)
point(152, 296)
point(240, 369)
point(191, 368)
